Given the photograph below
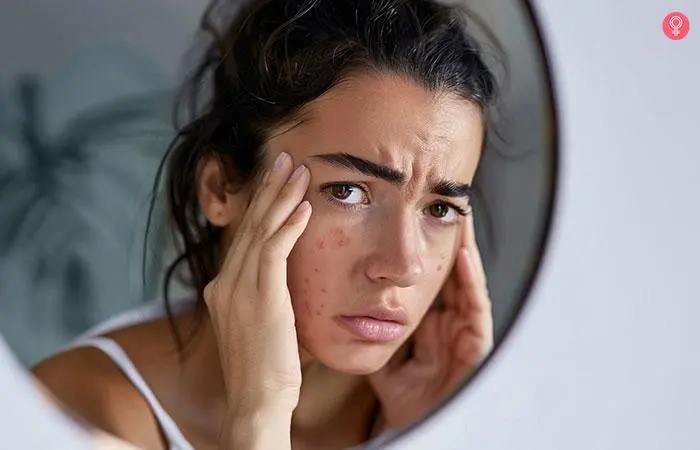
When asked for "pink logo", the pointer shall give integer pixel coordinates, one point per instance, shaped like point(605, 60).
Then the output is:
point(676, 25)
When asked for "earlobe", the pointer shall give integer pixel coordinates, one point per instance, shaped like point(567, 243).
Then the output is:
point(218, 202)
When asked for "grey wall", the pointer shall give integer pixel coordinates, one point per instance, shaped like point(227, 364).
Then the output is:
point(75, 185)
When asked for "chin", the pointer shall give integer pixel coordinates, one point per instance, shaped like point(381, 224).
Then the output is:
point(363, 359)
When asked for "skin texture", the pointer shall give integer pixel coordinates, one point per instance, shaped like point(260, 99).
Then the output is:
point(374, 243)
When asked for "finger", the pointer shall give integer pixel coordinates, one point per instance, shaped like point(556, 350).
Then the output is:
point(457, 288)
point(272, 271)
point(467, 356)
point(473, 295)
point(469, 241)
point(277, 214)
point(450, 286)
point(477, 307)
point(272, 183)
point(426, 339)
point(282, 206)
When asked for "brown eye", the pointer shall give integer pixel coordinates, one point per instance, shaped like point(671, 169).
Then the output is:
point(341, 191)
point(439, 210)
point(346, 194)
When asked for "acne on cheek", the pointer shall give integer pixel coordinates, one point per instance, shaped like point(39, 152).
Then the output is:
point(337, 236)
point(340, 237)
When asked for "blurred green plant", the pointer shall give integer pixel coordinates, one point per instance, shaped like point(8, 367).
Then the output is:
point(52, 190)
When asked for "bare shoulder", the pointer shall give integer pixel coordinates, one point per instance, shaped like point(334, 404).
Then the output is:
point(86, 382)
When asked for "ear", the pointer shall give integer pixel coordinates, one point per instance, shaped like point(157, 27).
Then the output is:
point(220, 203)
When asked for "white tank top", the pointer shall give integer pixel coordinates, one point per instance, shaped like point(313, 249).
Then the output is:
point(175, 438)
point(151, 311)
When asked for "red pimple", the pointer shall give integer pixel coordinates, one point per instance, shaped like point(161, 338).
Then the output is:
point(340, 237)
point(321, 244)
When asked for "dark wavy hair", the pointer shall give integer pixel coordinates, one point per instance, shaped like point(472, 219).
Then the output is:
point(270, 58)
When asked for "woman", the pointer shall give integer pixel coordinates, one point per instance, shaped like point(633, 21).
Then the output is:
point(321, 199)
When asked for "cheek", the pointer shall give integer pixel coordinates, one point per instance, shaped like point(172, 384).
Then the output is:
point(315, 268)
point(335, 239)
point(434, 282)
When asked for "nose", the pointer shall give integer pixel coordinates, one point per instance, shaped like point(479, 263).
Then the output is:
point(397, 257)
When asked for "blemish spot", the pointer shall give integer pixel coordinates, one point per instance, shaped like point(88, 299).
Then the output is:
point(341, 239)
point(323, 290)
point(306, 280)
point(322, 306)
point(439, 267)
point(317, 271)
point(318, 313)
point(307, 307)
point(321, 244)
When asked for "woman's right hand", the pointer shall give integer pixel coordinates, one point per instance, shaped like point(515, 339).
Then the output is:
point(252, 315)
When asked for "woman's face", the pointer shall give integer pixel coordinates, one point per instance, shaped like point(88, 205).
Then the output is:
point(391, 167)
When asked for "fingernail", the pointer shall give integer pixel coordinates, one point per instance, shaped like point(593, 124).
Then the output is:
point(297, 173)
point(281, 158)
point(303, 206)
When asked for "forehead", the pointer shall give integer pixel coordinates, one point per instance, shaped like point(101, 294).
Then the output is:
point(392, 121)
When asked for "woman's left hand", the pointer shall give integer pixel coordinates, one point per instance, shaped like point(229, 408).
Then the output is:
point(452, 340)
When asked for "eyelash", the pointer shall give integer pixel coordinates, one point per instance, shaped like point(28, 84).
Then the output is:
point(328, 186)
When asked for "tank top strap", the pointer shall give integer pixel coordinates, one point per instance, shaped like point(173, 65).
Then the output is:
point(175, 437)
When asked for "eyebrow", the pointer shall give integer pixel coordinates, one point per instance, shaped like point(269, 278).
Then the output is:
point(446, 188)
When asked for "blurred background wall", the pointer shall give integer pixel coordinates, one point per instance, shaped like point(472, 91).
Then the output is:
point(85, 92)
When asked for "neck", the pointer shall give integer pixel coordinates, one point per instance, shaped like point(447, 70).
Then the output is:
point(330, 402)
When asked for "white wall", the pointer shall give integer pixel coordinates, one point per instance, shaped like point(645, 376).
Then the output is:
point(605, 356)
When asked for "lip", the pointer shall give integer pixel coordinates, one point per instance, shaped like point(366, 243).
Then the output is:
point(378, 324)
point(384, 314)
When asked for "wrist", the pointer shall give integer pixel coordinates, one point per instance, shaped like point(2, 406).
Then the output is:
point(258, 428)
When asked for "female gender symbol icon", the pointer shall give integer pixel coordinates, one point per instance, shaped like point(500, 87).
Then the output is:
point(676, 25)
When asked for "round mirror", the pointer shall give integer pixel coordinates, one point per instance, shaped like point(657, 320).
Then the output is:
point(341, 228)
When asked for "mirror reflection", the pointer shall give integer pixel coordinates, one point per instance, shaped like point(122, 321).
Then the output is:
point(307, 261)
